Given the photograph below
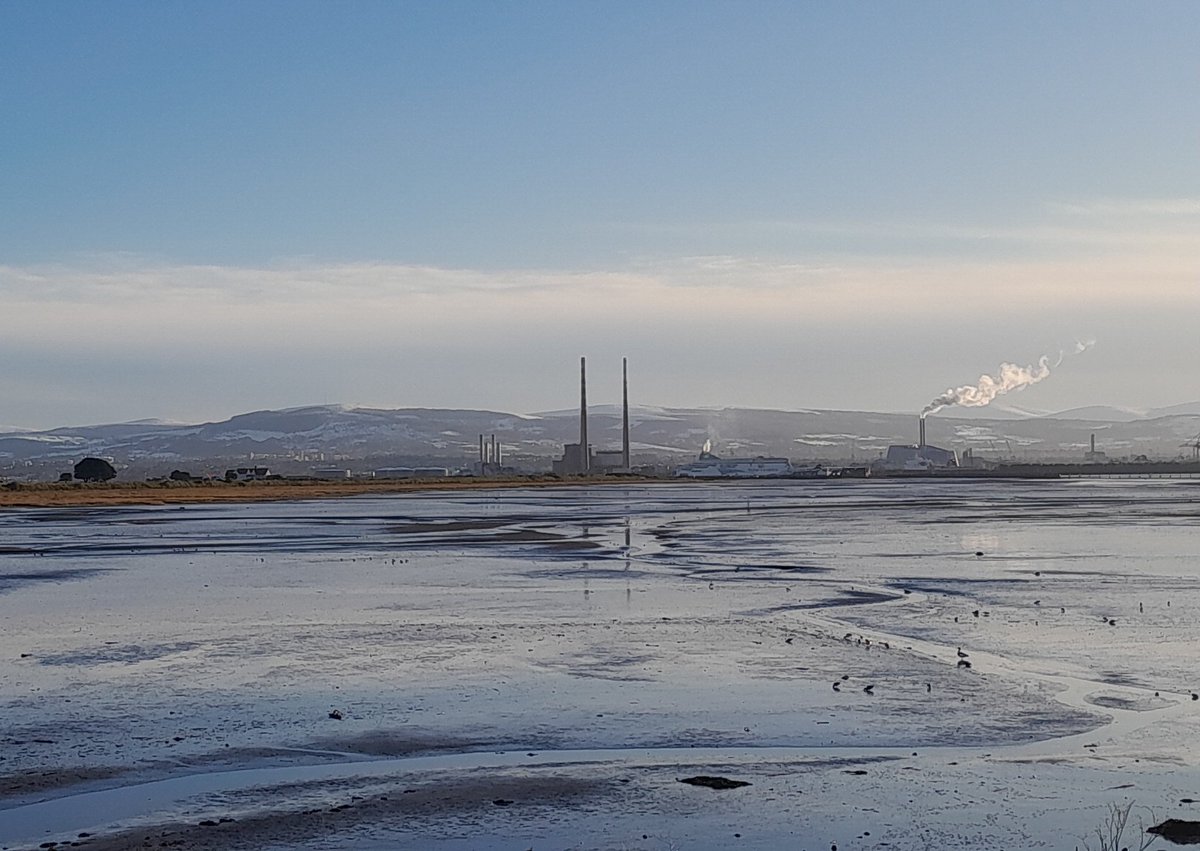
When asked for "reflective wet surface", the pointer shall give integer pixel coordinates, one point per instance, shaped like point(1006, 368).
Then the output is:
point(1001, 659)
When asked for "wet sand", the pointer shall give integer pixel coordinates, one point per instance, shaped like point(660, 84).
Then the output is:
point(54, 494)
point(509, 669)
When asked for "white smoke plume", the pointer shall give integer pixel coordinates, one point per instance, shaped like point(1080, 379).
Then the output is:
point(1011, 377)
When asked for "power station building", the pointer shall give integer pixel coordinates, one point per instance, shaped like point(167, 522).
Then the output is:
point(921, 457)
point(491, 458)
point(579, 459)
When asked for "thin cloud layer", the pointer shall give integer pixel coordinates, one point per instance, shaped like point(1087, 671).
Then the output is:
point(855, 331)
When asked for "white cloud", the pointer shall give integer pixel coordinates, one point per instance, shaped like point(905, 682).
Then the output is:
point(117, 298)
point(1131, 207)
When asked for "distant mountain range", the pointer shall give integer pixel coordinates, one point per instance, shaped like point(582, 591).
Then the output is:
point(297, 439)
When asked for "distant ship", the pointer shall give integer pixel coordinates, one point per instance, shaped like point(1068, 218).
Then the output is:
point(710, 466)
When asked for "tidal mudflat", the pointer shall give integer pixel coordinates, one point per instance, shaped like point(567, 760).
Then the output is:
point(901, 665)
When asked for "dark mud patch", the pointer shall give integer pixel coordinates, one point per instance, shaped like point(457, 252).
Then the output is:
point(37, 781)
point(1080, 572)
point(587, 572)
point(393, 743)
point(1117, 678)
point(853, 598)
point(258, 757)
point(839, 599)
point(953, 587)
point(759, 572)
point(12, 581)
point(128, 654)
point(408, 810)
point(615, 667)
point(782, 568)
point(548, 540)
point(75, 515)
point(572, 544)
point(438, 527)
point(1128, 702)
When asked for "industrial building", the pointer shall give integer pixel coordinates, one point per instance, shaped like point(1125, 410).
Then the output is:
point(921, 457)
point(247, 474)
point(491, 458)
point(580, 459)
point(411, 473)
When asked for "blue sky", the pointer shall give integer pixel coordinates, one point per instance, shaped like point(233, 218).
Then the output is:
point(778, 204)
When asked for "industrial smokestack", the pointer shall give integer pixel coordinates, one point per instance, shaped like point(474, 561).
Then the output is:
point(1093, 443)
point(625, 413)
point(499, 455)
point(921, 442)
point(584, 455)
point(492, 450)
point(482, 458)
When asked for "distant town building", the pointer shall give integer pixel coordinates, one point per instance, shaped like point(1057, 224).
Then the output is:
point(411, 473)
point(573, 461)
point(1094, 457)
point(608, 461)
point(247, 474)
point(331, 473)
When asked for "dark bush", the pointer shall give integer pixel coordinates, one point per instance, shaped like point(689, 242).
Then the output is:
point(94, 470)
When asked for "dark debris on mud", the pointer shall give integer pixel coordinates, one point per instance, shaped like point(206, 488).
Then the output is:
point(713, 782)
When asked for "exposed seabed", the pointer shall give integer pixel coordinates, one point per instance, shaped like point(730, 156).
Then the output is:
point(518, 669)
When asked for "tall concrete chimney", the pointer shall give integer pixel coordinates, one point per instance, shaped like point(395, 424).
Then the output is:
point(585, 460)
point(921, 443)
point(625, 413)
point(482, 459)
point(1093, 443)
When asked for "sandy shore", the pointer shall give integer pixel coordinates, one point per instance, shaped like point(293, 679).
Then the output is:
point(55, 494)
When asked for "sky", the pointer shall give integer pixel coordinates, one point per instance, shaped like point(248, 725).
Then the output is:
point(211, 208)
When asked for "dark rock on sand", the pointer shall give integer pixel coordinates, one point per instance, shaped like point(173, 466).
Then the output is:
point(713, 782)
point(1179, 831)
